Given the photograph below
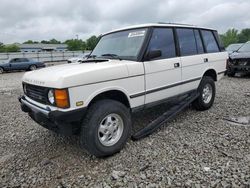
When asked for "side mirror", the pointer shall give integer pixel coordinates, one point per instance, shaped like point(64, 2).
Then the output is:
point(153, 54)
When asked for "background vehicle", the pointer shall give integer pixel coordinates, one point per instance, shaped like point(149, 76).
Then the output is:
point(239, 61)
point(233, 47)
point(129, 70)
point(20, 64)
point(78, 58)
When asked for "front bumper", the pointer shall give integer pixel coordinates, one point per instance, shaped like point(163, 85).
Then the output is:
point(239, 68)
point(66, 123)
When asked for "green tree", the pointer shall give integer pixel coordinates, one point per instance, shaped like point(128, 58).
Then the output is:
point(9, 48)
point(54, 41)
point(1, 47)
point(45, 42)
point(12, 48)
point(28, 42)
point(31, 42)
point(231, 36)
point(244, 35)
point(91, 42)
point(74, 44)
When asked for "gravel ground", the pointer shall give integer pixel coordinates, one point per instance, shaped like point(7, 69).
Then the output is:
point(196, 149)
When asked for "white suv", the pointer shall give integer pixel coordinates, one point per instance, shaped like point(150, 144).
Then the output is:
point(129, 70)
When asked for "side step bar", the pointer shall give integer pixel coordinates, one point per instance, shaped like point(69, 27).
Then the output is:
point(168, 115)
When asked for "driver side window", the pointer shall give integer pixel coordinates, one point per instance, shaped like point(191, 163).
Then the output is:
point(163, 39)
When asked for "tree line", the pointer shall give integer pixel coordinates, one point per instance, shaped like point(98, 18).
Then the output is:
point(73, 44)
point(229, 37)
point(234, 36)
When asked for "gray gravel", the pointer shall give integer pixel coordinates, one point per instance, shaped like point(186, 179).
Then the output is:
point(197, 149)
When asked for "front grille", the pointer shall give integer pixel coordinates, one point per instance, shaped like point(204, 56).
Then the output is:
point(243, 62)
point(36, 93)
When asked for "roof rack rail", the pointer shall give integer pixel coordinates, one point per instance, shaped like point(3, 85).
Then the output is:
point(175, 23)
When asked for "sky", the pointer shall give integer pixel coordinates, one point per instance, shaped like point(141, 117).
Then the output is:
point(21, 20)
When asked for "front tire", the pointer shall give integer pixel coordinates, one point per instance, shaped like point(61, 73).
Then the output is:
point(231, 74)
point(207, 92)
point(105, 128)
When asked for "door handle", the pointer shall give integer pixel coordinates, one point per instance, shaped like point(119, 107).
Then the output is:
point(205, 60)
point(176, 65)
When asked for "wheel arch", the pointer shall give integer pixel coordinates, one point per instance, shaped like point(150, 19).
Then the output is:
point(116, 94)
point(211, 73)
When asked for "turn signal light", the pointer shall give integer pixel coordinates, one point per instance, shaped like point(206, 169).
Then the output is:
point(62, 98)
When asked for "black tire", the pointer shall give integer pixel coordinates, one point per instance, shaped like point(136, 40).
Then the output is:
point(231, 74)
point(89, 136)
point(32, 67)
point(199, 103)
point(1, 70)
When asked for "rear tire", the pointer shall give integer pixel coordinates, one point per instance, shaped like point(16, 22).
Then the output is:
point(207, 92)
point(33, 67)
point(105, 128)
point(1, 70)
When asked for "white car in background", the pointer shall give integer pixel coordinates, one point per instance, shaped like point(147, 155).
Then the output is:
point(79, 58)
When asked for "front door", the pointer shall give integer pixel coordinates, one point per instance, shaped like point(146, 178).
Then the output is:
point(162, 74)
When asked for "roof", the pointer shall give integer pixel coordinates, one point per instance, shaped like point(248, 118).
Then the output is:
point(43, 46)
point(160, 24)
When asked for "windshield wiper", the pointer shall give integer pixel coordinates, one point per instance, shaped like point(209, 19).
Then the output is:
point(91, 56)
point(111, 55)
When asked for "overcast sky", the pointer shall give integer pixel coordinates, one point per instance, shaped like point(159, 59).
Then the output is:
point(21, 20)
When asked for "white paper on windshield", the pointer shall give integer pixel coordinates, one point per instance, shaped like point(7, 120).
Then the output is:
point(136, 34)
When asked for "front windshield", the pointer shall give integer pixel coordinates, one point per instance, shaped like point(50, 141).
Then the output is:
point(233, 47)
point(121, 45)
point(245, 47)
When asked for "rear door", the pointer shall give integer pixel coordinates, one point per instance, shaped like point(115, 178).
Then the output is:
point(216, 59)
point(162, 74)
point(192, 57)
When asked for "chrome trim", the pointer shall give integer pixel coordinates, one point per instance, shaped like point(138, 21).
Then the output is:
point(35, 108)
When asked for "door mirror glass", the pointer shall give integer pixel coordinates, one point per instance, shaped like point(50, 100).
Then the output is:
point(153, 54)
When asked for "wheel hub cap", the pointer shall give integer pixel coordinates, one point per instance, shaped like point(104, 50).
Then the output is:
point(110, 129)
point(207, 93)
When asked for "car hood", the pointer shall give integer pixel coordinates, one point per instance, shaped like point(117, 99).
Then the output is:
point(70, 75)
point(240, 55)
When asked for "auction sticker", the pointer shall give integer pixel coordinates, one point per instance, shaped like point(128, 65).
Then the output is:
point(136, 34)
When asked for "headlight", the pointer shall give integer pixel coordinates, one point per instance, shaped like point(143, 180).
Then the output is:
point(59, 97)
point(51, 96)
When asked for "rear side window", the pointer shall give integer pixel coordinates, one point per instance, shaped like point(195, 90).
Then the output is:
point(222, 48)
point(187, 42)
point(199, 44)
point(209, 41)
point(163, 39)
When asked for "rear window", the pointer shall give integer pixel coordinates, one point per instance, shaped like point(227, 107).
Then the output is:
point(187, 42)
point(209, 41)
point(222, 48)
point(199, 44)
